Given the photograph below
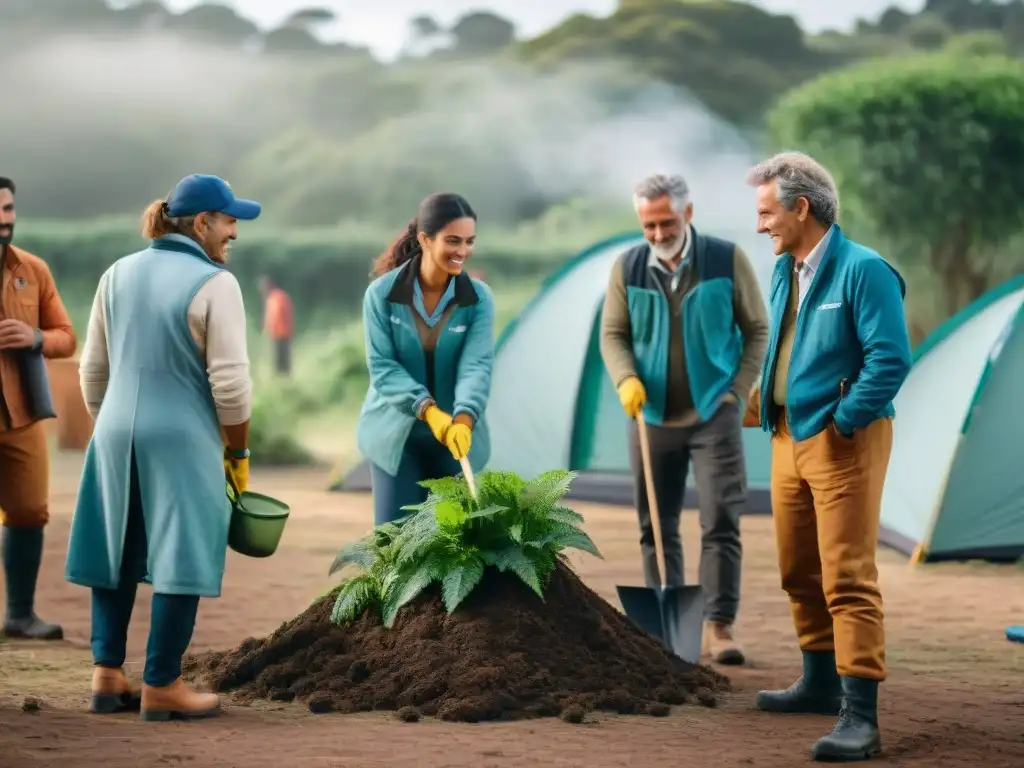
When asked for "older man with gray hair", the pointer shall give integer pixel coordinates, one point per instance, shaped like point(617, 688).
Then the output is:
point(839, 353)
point(683, 333)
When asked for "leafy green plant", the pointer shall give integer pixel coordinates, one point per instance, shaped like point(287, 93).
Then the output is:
point(513, 526)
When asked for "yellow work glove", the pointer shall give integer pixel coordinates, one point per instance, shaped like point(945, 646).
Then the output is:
point(438, 421)
point(458, 439)
point(632, 395)
point(237, 470)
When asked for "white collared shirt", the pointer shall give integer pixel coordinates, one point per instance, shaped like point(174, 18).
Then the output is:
point(806, 273)
point(655, 263)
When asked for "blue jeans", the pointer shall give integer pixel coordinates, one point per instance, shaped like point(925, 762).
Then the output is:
point(423, 458)
point(172, 617)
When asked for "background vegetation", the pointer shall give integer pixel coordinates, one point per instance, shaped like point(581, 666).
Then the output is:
point(920, 116)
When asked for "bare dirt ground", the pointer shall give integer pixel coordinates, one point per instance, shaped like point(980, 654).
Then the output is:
point(955, 695)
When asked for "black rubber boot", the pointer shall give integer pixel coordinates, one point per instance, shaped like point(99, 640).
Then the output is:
point(22, 555)
point(817, 692)
point(855, 736)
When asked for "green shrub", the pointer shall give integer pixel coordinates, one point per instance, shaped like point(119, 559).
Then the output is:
point(451, 538)
point(325, 270)
point(271, 438)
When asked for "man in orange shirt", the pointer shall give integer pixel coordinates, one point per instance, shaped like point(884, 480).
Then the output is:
point(278, 323)
point(33, 322)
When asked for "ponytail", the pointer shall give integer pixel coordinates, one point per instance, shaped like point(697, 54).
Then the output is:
point(403, 250)
point(157, 222)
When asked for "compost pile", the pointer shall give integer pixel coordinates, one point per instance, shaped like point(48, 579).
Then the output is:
point(503, 655)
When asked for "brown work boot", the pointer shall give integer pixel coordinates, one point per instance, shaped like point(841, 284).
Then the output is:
point(720, 645)
point(177, 702)
point(112, 692)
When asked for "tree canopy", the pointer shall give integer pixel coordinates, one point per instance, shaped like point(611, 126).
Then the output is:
point(927, 152)
point(131, 104)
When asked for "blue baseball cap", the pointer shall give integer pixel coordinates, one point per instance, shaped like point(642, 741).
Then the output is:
point(200, 193)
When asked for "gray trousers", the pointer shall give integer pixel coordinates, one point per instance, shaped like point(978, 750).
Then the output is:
point(716, 448)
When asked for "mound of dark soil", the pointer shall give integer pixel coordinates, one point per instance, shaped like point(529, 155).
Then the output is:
point(504, 654)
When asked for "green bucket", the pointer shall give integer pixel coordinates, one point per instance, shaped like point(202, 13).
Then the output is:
point(257, 523)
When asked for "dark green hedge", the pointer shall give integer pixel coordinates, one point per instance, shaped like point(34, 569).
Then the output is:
point(324, 271)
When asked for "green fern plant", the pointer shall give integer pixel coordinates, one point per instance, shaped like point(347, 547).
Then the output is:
point(513, 526)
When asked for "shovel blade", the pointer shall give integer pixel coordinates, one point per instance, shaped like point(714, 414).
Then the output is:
point(682, 610)
point(675, 616)
point(642, 606)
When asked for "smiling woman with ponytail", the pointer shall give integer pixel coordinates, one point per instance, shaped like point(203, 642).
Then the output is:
point(429, 348)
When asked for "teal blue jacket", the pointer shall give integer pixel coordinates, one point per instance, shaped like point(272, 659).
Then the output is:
point(457, 375)
point(159, 407)
point(712, 341)
point(851, 353)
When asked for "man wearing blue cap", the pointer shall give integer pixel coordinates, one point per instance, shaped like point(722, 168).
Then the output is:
point(165, 375)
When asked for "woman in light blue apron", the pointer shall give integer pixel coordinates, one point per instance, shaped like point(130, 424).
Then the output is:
point(172, 414)
point(429, 348)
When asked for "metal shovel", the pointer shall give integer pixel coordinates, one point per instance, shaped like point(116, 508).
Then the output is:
point(674, 615)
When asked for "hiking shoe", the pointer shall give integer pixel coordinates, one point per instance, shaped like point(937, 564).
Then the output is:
point(720, 644)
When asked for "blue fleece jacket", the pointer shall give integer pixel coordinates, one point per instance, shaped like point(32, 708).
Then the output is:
point(851, 353)
point(456, 375)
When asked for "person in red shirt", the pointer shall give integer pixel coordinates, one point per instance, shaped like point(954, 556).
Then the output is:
point(278, 324)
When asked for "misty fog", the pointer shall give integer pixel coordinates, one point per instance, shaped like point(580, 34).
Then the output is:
point(100, 126)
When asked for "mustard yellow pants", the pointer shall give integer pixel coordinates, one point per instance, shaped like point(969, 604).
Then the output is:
point(826, 502)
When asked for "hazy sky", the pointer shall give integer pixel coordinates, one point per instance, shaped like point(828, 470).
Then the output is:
point(382, 24)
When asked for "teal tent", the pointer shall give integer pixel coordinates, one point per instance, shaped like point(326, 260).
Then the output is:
point(552, 403)
point(955, 486)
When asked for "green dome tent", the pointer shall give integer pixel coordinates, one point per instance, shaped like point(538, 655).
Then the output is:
point(552, 404)
point(955, 486)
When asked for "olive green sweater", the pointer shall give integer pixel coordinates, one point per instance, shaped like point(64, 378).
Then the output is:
point(751, 317)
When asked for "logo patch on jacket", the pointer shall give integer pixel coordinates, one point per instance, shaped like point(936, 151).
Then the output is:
point(833, 305)
point(20, 283)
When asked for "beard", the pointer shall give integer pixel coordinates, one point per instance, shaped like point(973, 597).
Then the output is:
point(6, 235)
point(668, 251)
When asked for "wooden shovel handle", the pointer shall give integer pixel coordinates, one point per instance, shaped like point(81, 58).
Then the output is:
point(652, 498)
point(467, 472)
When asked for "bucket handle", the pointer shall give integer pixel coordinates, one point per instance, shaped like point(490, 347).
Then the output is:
point(234, 496)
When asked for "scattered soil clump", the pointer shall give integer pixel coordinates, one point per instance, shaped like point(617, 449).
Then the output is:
point(503, 655)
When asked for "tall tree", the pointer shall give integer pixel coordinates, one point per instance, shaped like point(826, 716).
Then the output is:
point(482, 32)
point(927, 152)
point(311, 18)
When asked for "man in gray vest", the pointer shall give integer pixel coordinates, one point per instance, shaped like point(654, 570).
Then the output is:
point(683, 334)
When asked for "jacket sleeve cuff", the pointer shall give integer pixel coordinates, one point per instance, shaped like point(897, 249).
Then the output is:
point(421, 405)
point(741, 396)
point(843, 427)
point(466, 410)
